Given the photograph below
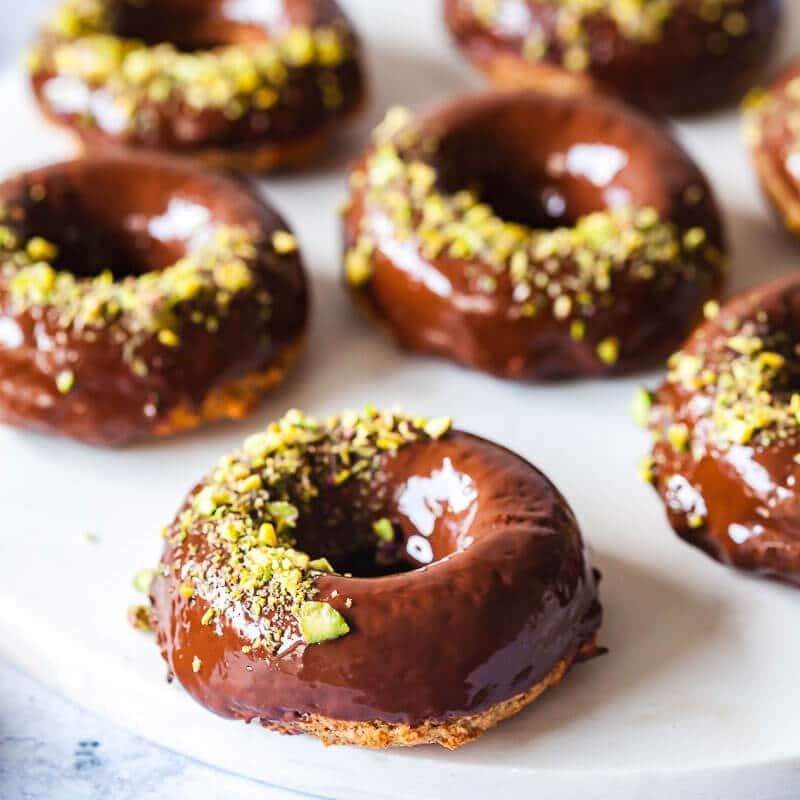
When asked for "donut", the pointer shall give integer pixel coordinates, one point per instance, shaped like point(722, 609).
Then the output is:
point(726, 425)
point(772, 130)
point(668, 56)
point(373, 579)
point(141, 296)
point(255, 86)
point(532, 236)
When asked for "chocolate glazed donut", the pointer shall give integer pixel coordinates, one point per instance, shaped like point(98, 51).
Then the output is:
point(461, 591)
point(249, 88)
point(679, 56)
point(774, 138)
point(139, 297)
point(726, 459)
point(532, 236)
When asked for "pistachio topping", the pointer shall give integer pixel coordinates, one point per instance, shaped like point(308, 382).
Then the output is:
point(197, 290)
point(256, 508)
point(139, 618)
point(639, 21)
point(80, 42)
point(641, 404)
point(570, 273)
point(749, 374)
point(65, 380)
point(143, 579)
point(321, 622)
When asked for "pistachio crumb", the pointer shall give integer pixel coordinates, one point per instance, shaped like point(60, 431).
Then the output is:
point(284, 242)
point(65, 381)
point(143, 579)
point(321, 622)
point(641, 405)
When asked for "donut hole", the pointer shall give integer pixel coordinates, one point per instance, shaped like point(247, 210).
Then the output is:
point(90, 243)
point(187, 25)
point(125, 217)
point(354, 550)
point(526, 198)
point(544, 162)
point(431, 505)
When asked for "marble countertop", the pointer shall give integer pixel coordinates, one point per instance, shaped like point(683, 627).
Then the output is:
point(52, 750)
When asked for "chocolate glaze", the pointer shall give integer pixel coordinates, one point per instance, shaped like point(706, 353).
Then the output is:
point(104, 213)
point(501, 590)
point(678, 73)
point(776, 147)
point(519, 146)
point(748, 494)
point(202, 24)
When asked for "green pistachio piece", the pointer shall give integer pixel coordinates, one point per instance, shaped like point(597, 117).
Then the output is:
point(640, 406)
point(143, 579)
point(384, 529)
point(321, 622)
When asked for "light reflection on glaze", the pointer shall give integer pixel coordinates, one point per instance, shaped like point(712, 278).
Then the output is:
point(684, 497)
point(513, 17)
point(741, 533)
point(406, 257)
point(425, 500)
point(11, 335)
point(793, 165)
point(617, 197)
point(67, 94)
point(183, 220)
point(255, 12)
point(753, 474)
point(597, 163)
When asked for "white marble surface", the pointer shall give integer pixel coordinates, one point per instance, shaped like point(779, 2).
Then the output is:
point(52, 750)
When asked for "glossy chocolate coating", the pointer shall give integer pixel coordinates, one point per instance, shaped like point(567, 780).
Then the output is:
point(678, 73)
point(776, 148)
point(747, 493)
point(528, 149)
point(502, 590)
point(130, 215)
point(203, 24)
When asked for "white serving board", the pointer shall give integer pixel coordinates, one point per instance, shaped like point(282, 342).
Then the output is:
point(697, 698)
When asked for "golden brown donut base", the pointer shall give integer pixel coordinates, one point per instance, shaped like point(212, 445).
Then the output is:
point(781, 195)
point(508, 73)
point(452, 734)
point(235, 399)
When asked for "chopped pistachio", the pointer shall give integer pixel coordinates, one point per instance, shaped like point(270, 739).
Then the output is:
point(139, 617)
point(608, 350)
point(640, 406)
point(143, 579)
point(678, 436)
point(639, 21)
point(284, 242)
point(253, 505)
point(81, 42)
point(39, 249)
point(321, 622)
point(438, 427)
point(137, 306)
point(384, 529)
point(65, 380)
